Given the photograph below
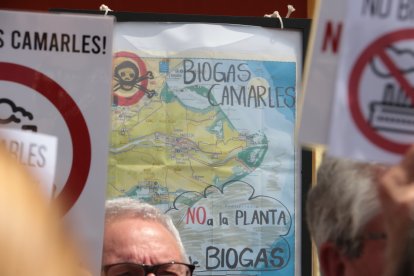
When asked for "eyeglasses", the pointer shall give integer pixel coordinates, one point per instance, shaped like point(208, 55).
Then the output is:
point(353, 248)
point(372, 236)
point(131, 269)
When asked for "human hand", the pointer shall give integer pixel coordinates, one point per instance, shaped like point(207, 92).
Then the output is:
point(396, 194)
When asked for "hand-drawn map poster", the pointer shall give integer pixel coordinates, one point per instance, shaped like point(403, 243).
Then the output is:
point(203, 126)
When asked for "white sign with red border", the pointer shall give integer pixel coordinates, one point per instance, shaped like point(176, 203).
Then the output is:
point(373, 113)
point(55, 74)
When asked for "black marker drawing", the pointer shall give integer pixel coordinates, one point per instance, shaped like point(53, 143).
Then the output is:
point(127, 77)
point(395, 112)
point(16, 114)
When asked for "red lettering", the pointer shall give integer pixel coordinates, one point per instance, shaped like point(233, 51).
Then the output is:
point(332, 36)
point(199, 214)
point(190, 215)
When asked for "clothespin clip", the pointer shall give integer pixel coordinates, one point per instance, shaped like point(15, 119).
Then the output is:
point(290, 10)
point(276, 14)
point(104, 8)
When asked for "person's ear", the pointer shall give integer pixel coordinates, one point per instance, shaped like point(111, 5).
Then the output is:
point(330, 260)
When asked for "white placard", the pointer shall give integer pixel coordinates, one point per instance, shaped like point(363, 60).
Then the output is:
point(55, 73)
point(373, 116)
point(207, 134)
point(36, 152)
point(320, 71)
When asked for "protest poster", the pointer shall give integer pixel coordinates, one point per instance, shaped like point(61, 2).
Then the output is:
point(321, 71)
point(373, 104)
point(203, 126)
point(55, 73)
point(36, 152)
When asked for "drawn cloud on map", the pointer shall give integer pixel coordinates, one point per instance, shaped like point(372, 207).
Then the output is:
point(231, 217)
point(403, 59)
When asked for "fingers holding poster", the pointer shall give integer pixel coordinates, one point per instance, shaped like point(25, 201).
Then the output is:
point(239, 230)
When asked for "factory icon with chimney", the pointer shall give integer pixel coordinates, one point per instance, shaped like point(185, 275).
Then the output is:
point(395, 111)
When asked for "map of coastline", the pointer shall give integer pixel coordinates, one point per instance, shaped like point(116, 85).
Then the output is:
point(177, 139)
point(211, 142)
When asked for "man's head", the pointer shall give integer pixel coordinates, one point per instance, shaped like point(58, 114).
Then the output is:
point(345, 219)
point(138, 233)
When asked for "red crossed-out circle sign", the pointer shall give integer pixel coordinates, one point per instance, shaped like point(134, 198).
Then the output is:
point(377, 48)
point(137, 95)
point(74, 120)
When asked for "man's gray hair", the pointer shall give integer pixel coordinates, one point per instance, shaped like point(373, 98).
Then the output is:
point(126, 207)
point(344, 200)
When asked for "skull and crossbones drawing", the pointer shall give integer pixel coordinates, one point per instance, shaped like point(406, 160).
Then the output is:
point(127, 77)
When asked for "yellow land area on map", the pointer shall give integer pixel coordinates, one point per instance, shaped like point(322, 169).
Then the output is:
point(163, 146)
